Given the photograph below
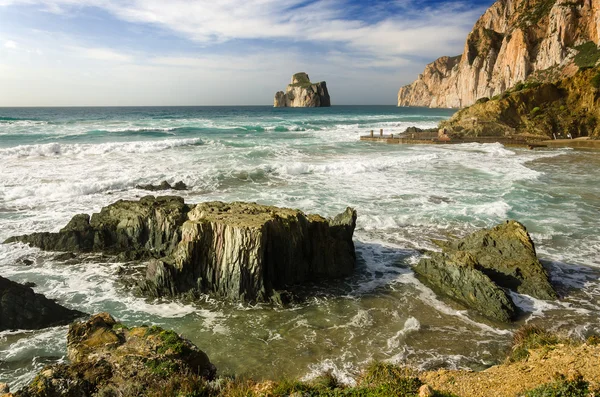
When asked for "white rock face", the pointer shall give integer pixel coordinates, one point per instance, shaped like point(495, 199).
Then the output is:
point(302, 93)
point(510, 42)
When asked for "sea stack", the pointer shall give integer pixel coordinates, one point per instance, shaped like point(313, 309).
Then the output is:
point(301, 93)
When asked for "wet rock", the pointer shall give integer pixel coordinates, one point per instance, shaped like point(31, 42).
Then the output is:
point(240, 251)
point(65, 257)
point(21, 308)
point(26, 262)
point(164, 185)
point(457, 275)
point(150, 225)
point(107, 358)
point(29, 284)
point(478, 269)
point(507, 255)
point(245, 251)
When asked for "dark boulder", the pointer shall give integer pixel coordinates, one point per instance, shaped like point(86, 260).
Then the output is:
point(21, 308)
point(164, 185)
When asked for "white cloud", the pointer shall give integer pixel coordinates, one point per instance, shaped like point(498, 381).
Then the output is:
point(411, 30)
point(102, 54)
point(10, 44)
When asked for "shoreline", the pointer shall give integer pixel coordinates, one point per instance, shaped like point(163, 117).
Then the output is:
point(579, 143)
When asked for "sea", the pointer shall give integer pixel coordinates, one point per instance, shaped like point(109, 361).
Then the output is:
point(58, 162)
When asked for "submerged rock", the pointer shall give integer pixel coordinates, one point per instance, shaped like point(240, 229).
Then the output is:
point(21, 308)
point(302, 93)
point(164, 185)
point(110, 359)
point(477, 269)
point(240, 251)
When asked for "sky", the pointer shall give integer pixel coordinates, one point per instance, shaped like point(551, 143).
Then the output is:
point(220, 52)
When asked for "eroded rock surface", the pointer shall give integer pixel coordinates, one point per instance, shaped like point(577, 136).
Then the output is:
point(22, 308)
point(478, 269)
point(109, 359)
point(302, 93)
point(239, 251)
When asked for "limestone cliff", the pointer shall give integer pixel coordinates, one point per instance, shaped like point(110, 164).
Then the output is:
point(514, 40)
point(302, 93)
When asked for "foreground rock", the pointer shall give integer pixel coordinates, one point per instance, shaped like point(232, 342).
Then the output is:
point(301, 93)
point(515, 40)
point(239, 251)
point(150, 227)
point(109, 359)
point(164, 185)
point(21, 308)
point(477, 269)
point(567, 108)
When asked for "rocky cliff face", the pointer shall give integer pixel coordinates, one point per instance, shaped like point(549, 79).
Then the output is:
point(302, 93)
point(549, 110)
point(239, 251)
point(513, 41)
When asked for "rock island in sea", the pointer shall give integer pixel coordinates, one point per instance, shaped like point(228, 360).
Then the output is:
point(301, 93)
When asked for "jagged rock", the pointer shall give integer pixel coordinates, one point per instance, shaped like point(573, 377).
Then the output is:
point(150, 226)
point(302, 93)
point(244, 251)
point(21, 308)
point(514, 40)
point(475, 270)
point(241, 251)
point(109, 359)
point(164, 185)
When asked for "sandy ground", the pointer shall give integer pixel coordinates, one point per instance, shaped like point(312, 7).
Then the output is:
point(512, 379)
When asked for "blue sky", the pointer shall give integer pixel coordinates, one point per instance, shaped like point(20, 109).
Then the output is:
point(219, 52)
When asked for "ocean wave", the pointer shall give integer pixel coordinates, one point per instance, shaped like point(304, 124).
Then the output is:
point(57, 149)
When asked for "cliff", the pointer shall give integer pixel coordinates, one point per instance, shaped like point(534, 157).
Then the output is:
point(513, 41)
point(302, 93)
point(549, 110)
point(238, 251)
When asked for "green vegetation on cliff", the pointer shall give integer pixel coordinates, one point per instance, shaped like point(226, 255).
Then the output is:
point(550, 110)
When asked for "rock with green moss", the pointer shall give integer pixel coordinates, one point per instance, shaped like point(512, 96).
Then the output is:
point(239, 251)
point(478, 269)
point(247, 251)
point(149, 227)
point(22, 308)
point(108, 359)
point(302, 93)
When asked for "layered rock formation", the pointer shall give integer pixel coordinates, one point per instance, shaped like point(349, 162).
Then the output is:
point(109, 359)
point(514, 40)
point(240, 251)
point(478, 269)
point(21, 308)
point(570, 107)
point(301, 93)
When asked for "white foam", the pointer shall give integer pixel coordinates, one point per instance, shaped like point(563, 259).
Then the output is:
point(59, 149)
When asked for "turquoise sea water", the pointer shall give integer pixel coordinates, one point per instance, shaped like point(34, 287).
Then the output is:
point(55, 163)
